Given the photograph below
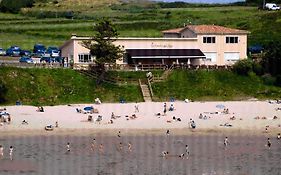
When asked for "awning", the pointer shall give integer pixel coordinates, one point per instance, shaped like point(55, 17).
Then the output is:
point(165, 53)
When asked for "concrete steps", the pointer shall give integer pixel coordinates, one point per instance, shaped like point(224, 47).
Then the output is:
point(145, 93)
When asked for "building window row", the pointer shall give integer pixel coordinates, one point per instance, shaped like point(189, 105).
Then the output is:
point(208, 39)
point(231, 39)
point(84, 58)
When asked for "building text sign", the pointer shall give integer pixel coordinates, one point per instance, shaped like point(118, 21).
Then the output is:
point(158, 45)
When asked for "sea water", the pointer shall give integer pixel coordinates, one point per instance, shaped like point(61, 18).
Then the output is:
point(208, 156)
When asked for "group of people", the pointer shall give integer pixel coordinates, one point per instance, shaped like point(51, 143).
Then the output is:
point(11, 149)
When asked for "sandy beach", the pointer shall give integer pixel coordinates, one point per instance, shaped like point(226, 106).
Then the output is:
point(69, 120)
point(44, 152)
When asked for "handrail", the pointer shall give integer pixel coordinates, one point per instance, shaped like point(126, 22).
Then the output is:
point(150, 88)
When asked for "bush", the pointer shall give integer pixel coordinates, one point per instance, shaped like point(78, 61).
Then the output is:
point(14, 6)
point(258, 69)
point(268, 79)
point(278, 80)
point(243, 67)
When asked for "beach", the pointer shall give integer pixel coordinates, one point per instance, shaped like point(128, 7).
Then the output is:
point(37, 151)
point(214, 119)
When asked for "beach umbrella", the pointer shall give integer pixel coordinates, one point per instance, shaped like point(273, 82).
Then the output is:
point(220, 106)
point(88, 108)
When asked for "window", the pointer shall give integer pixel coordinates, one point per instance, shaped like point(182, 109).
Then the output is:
point(84, 58)
point(232, 39)
point(209, 39)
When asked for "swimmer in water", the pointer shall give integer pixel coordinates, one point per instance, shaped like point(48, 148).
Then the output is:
point(278, 136)
point(1, 151)
point(268, 143)
point(225, 142)
point(101, 148)
point(68, 147)
point(11, 152)
point(130, 146)
point(164, 154)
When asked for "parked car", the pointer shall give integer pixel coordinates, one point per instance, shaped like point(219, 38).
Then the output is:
point(53, 52)
point(13, 51)
point(26, 59)
point(39, 50)
point(272, 6)
point(25, 53)
point(48, 59)
point(2, 52)
point(255, 49)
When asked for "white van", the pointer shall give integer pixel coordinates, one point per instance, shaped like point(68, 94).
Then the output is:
point(272, 6)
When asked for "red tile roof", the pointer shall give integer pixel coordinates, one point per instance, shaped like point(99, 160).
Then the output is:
point(207, 29)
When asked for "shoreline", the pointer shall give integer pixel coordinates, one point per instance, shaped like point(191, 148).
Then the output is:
point(139, 132)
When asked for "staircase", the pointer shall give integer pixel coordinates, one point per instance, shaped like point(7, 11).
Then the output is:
point(145, 92)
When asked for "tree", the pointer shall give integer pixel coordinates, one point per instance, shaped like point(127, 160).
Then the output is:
point(3, 91)
point(14, 6)
point(102, 48)
point(271, 60)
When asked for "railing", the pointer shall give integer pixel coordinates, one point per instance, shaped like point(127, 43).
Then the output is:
point(31, 65)
point(150, 88)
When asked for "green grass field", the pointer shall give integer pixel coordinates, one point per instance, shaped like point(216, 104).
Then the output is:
point(64, 86)
point(46, 23)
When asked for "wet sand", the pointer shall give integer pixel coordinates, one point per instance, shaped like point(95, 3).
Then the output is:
point(46, 154)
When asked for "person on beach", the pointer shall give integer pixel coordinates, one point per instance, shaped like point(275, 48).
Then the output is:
point(136, 107)
point(182, 155)
point(130, 147)
point(165, 108)
point(57, 124)
point(1, 151)
point(225, 142)
point(68, 147)
point(268, 143)
point(119, 134)
point(11, 152)
point(278, 136)
point(167, 132)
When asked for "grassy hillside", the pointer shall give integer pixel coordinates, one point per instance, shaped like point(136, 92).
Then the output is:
point(213, 85)
point(53, 23)
point(59, 86)
point(63, 86)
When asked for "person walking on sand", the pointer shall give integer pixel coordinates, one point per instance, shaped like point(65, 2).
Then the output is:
point(1, 151)
point(268, 143)
point(225, 142)
point(68, 147)
point(11, 152)
point(136, 107)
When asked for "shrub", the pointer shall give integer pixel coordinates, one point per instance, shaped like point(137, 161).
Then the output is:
point(278, 80)
point(243, 67)
point(268, 79)
point(14, 6)
point(258, 69)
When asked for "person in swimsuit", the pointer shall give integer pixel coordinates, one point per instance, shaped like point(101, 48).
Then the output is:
point(68, 147)
point(101, 148)
point(167, 132)
point(11, 152)
point(278, 136)
point(164, 154)
point(268, 143)
point(130, 146)
point(225, 142)
point(1, 151)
